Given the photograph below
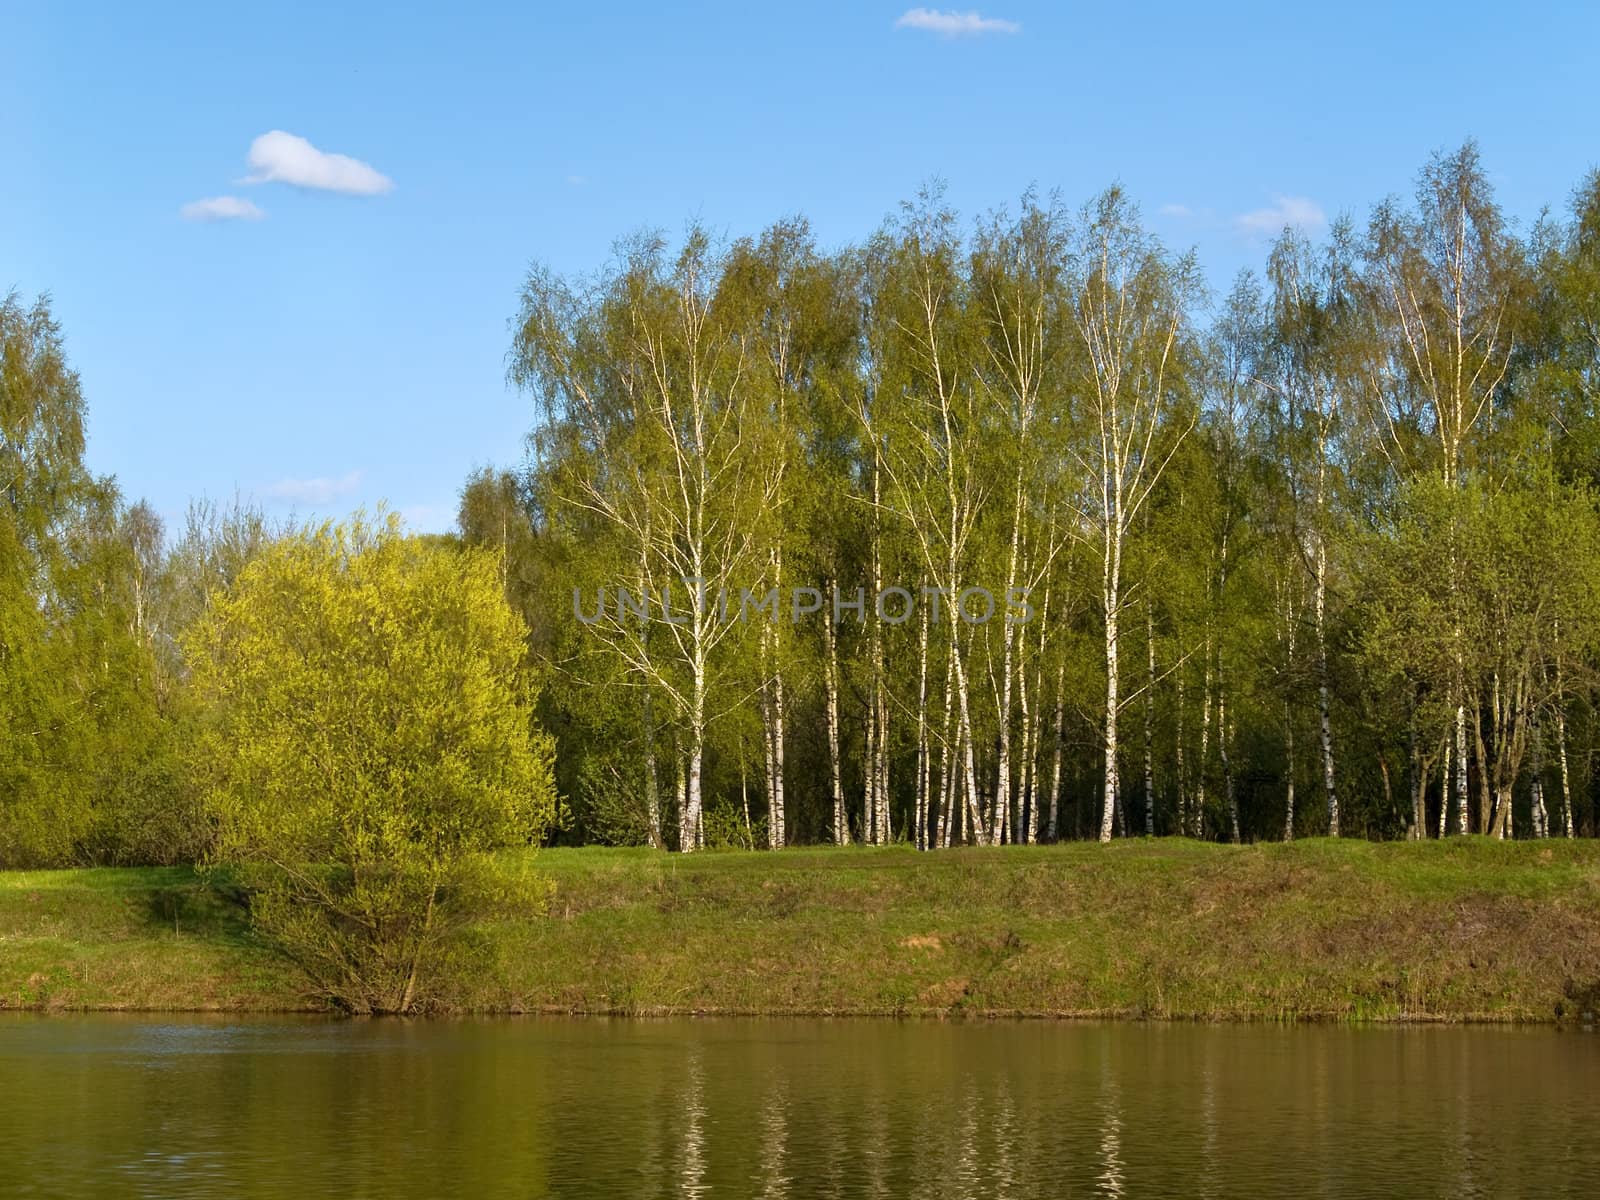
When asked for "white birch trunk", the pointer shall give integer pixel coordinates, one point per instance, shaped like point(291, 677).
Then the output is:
point(778, 834)
point(1052, 827)
point(920, 838)
point(744, 797)
point(876, 734)
point(768, 748)
point(1036, 729)
point(697, 742)
point(1224, 737)
point(969, 767)
point(1150, 720)
point(1002, 780)
point(1183, 777)
point(1108, 808)
point(1566, 784)
point(1205, 745)
point(681, 787)
point(949, 810)
point(1444, 790)
point(1288, 791)
point(1322, 690)
point(652, 793)
point(841, 824)
point(1019, 804)
point(1541, 818)
point(885, 826)
point(946, 760)
point(1022, 832)
point(869, 777)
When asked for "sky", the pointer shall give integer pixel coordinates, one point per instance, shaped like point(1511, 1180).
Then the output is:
point(285, 242)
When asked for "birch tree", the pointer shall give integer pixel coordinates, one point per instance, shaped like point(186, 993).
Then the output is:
point(1019, 275)
point(1306, 377)
point(1129, 312)
point(924, 425)
point(1442, 281)
point(670, 452)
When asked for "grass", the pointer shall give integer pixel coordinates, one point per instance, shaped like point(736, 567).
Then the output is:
point(132, 938)
point(1467, 929)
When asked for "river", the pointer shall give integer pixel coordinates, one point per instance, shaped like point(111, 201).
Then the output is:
point(163, 1106)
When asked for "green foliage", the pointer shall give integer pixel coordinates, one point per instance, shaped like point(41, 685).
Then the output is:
point(609, 801)
point(85, 755)
point(364, 740)
point(1031, 401)
point(725, 828)
point(1347, 519)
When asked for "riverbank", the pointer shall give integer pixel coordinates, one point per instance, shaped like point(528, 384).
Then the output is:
point(1464, 930)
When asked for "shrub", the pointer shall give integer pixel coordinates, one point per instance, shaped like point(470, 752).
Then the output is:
point(365, 742)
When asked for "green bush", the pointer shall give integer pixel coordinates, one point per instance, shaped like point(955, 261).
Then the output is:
point(365, 741)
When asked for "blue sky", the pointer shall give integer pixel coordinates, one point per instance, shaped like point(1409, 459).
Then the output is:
point(348, 346)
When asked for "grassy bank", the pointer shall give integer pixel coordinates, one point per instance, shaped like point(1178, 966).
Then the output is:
point(1462, 930)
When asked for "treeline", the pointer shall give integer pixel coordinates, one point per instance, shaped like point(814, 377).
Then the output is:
point(1320, 555)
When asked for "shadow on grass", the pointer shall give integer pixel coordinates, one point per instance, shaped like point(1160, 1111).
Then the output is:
point(213, 908)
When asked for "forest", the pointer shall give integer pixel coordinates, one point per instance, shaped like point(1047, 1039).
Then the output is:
point(1316, 556)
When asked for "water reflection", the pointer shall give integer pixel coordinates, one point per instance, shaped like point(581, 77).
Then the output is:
point(774, 1134)
point(694, 1114)
point(1208, 1122)
point(97, 1106)
point(1110, 1182)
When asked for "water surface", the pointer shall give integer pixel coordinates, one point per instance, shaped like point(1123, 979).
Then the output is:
point(95, 1106)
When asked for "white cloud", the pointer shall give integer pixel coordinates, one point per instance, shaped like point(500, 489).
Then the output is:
point(322, 490)
point(1297, 211)
point(577, 180)
point(279, 157)
point(221, 208)
point(954, 24)
point(1174, 210)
